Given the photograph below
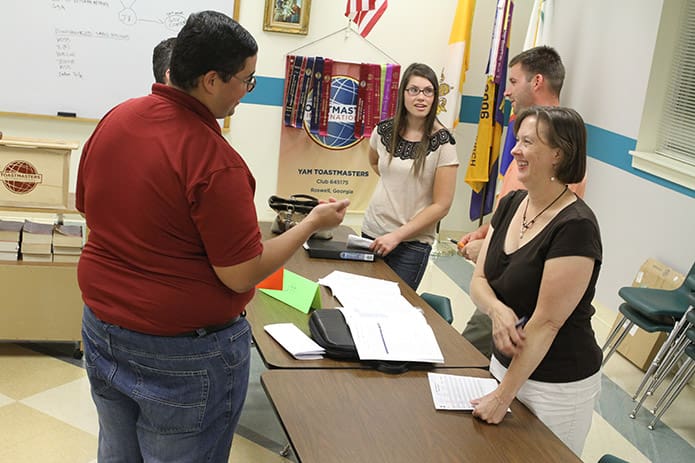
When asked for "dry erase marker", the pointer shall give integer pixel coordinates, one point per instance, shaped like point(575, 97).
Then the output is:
point(522, 322)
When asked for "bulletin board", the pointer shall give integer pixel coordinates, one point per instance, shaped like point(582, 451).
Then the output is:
point(80, 58)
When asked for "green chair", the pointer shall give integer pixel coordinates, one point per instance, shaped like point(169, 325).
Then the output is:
point(608, 458)
point(441, 304)
point(679, 381)
point(652, 310)
point(682, 348)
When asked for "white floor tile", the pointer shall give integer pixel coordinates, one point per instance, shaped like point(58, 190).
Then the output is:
point(603, 439)
point(71, 403)
point(4, 400)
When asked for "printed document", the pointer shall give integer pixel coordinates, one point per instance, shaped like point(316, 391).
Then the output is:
point(453, 392)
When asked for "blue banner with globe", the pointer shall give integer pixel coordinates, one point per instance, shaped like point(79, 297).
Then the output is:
point(332, 165)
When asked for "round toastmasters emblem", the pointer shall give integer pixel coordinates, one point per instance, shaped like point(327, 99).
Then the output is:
point(341, 115)
point(20, 177)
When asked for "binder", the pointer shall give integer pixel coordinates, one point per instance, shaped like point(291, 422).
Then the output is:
point(332, 249)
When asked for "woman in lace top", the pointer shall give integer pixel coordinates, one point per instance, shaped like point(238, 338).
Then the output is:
point(415, 159)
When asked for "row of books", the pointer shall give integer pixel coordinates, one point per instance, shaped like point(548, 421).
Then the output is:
point(40, 242)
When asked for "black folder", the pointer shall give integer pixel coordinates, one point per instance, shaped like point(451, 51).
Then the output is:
point(332, 249)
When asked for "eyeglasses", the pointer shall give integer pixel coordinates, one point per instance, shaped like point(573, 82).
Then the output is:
point(250, 82)
point(414, 91)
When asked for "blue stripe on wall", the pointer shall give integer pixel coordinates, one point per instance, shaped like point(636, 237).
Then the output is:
point(613, 148)
point(606, 146)
point(470, 109)
point(268, 92)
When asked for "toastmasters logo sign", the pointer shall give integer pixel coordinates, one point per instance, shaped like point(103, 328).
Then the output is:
point(341, 115)
point(335, 165)
point(20, 177)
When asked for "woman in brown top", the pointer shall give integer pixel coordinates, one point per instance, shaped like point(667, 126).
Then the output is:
point(540, 263)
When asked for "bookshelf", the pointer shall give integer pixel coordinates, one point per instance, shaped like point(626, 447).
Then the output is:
point(41, 301)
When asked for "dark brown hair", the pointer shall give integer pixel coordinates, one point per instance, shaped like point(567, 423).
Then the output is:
point(545, 61)
point(400, 117)
point(561, 128)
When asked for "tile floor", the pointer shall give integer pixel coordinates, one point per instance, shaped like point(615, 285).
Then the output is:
point(46, 412)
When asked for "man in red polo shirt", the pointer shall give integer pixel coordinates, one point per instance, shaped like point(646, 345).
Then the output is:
point(173, 255)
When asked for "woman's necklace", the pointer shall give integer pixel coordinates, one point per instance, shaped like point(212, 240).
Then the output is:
point(526, 225)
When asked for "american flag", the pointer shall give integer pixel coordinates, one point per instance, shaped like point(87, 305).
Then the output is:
point(365, 13)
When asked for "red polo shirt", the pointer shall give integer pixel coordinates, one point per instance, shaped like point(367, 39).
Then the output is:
point(166, 198)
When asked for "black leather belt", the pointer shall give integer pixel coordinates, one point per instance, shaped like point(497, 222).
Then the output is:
point(204, 331)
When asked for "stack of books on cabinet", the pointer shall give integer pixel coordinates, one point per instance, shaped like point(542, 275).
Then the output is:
point(37, 238)
point(67, 243)
point(32, 241)
point(10, 233)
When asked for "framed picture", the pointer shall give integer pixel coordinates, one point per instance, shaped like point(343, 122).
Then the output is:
point(289, 16)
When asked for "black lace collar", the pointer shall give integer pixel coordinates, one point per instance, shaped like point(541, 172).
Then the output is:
point(406, 149)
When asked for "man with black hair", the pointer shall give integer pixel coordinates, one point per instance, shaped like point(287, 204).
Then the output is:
point(160, 60)
point(174, 254)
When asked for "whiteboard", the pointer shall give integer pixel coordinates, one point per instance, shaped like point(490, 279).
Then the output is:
point(82, 57)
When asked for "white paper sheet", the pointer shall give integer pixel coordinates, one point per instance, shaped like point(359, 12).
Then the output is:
point(301, 346)
point(404, 336)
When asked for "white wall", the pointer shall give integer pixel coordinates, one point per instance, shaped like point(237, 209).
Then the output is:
point(607, 48)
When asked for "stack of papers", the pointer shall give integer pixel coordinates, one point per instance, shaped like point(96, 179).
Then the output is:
point(67, 243)
point(37, 239)
point(301, 346)
point(384, 325)
point(374, 295)
point(453, 392)
point(9, 239)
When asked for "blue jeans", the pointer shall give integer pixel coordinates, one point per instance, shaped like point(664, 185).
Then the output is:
point(166, 399)
point(408, 260)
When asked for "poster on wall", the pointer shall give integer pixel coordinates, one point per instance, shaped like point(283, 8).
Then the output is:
point(320, 152)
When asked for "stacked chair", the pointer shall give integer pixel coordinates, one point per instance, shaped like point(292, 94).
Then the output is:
point(683, 350)
point(608, 458)
point(669, 311)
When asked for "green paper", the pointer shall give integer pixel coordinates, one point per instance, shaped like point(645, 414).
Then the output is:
point(297, 291)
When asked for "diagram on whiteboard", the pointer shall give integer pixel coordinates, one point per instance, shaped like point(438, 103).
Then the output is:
point(173, 20)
